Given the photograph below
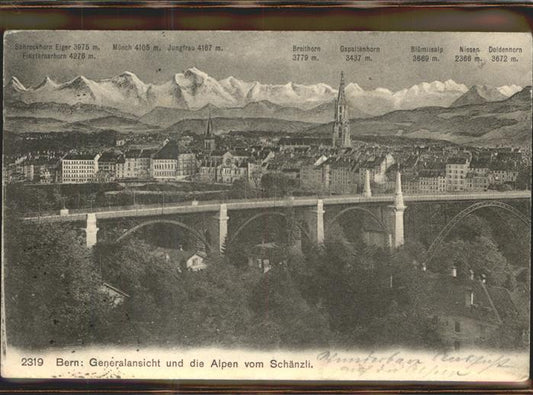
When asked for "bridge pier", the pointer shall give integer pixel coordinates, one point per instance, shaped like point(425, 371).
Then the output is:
point(315, 221)
point(91, 230)
point(222, 227)
point(396, 215)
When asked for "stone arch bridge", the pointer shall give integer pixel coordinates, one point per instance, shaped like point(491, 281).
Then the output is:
point(217, 224)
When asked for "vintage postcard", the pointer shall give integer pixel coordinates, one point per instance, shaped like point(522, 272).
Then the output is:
point(265, 205)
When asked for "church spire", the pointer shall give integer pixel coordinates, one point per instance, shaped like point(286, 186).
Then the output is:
point(340, 98)
point(209, 128)
point(209, 138)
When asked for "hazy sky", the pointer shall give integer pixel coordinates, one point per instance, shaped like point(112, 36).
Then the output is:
point(267, 57)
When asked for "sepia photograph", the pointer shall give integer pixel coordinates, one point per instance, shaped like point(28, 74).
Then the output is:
point(266, 205)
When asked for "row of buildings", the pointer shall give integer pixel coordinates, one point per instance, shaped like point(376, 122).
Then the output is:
point(166, 163)
point(346, 173)
point(313, 168)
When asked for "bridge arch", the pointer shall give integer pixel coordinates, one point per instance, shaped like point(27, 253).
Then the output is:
point(435, 245)
point(179, 224)
point(266, 214)
point(357, 208)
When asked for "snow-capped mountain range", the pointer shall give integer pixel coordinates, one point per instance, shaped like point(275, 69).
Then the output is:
point(194, 89)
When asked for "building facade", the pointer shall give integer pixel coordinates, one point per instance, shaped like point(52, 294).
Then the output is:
point(377, 167)
point(456, 171)
point(107, 167)
point(170, 164)
point(431, 182)
point(340, 176)
point(311, 177)
point(79, 168)
point(233, 167)
point(187, 165)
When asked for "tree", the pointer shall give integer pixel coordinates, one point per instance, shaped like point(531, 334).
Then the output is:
point(170, 305)
point(216, 311)
point(277, 185)
point(471, 227)
point(22, 199)
point(282, 315)
point(402, 327)
point(480, 255)
point(340, 272)
point(100, 199)
point(523, 179)
point(149, 280)
point(52, 287)
point(241, 189)
point(237, 254)
point(256, 172)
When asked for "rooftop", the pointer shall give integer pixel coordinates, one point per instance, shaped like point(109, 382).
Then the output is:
point(146, 153)
point(79, 156)
point(457, 161)
point(109, 156)
point(169, 151)
point(134, 153)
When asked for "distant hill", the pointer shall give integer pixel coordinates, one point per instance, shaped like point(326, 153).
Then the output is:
point(479, 94)
point(165, 116)
point(31, 124)
point(42, 125)
point(507, 122)
point(116, 123)
point(46, 125)
point(225, 125)
point(61, 111)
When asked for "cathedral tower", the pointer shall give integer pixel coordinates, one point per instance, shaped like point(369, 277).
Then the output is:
point(341, 128)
